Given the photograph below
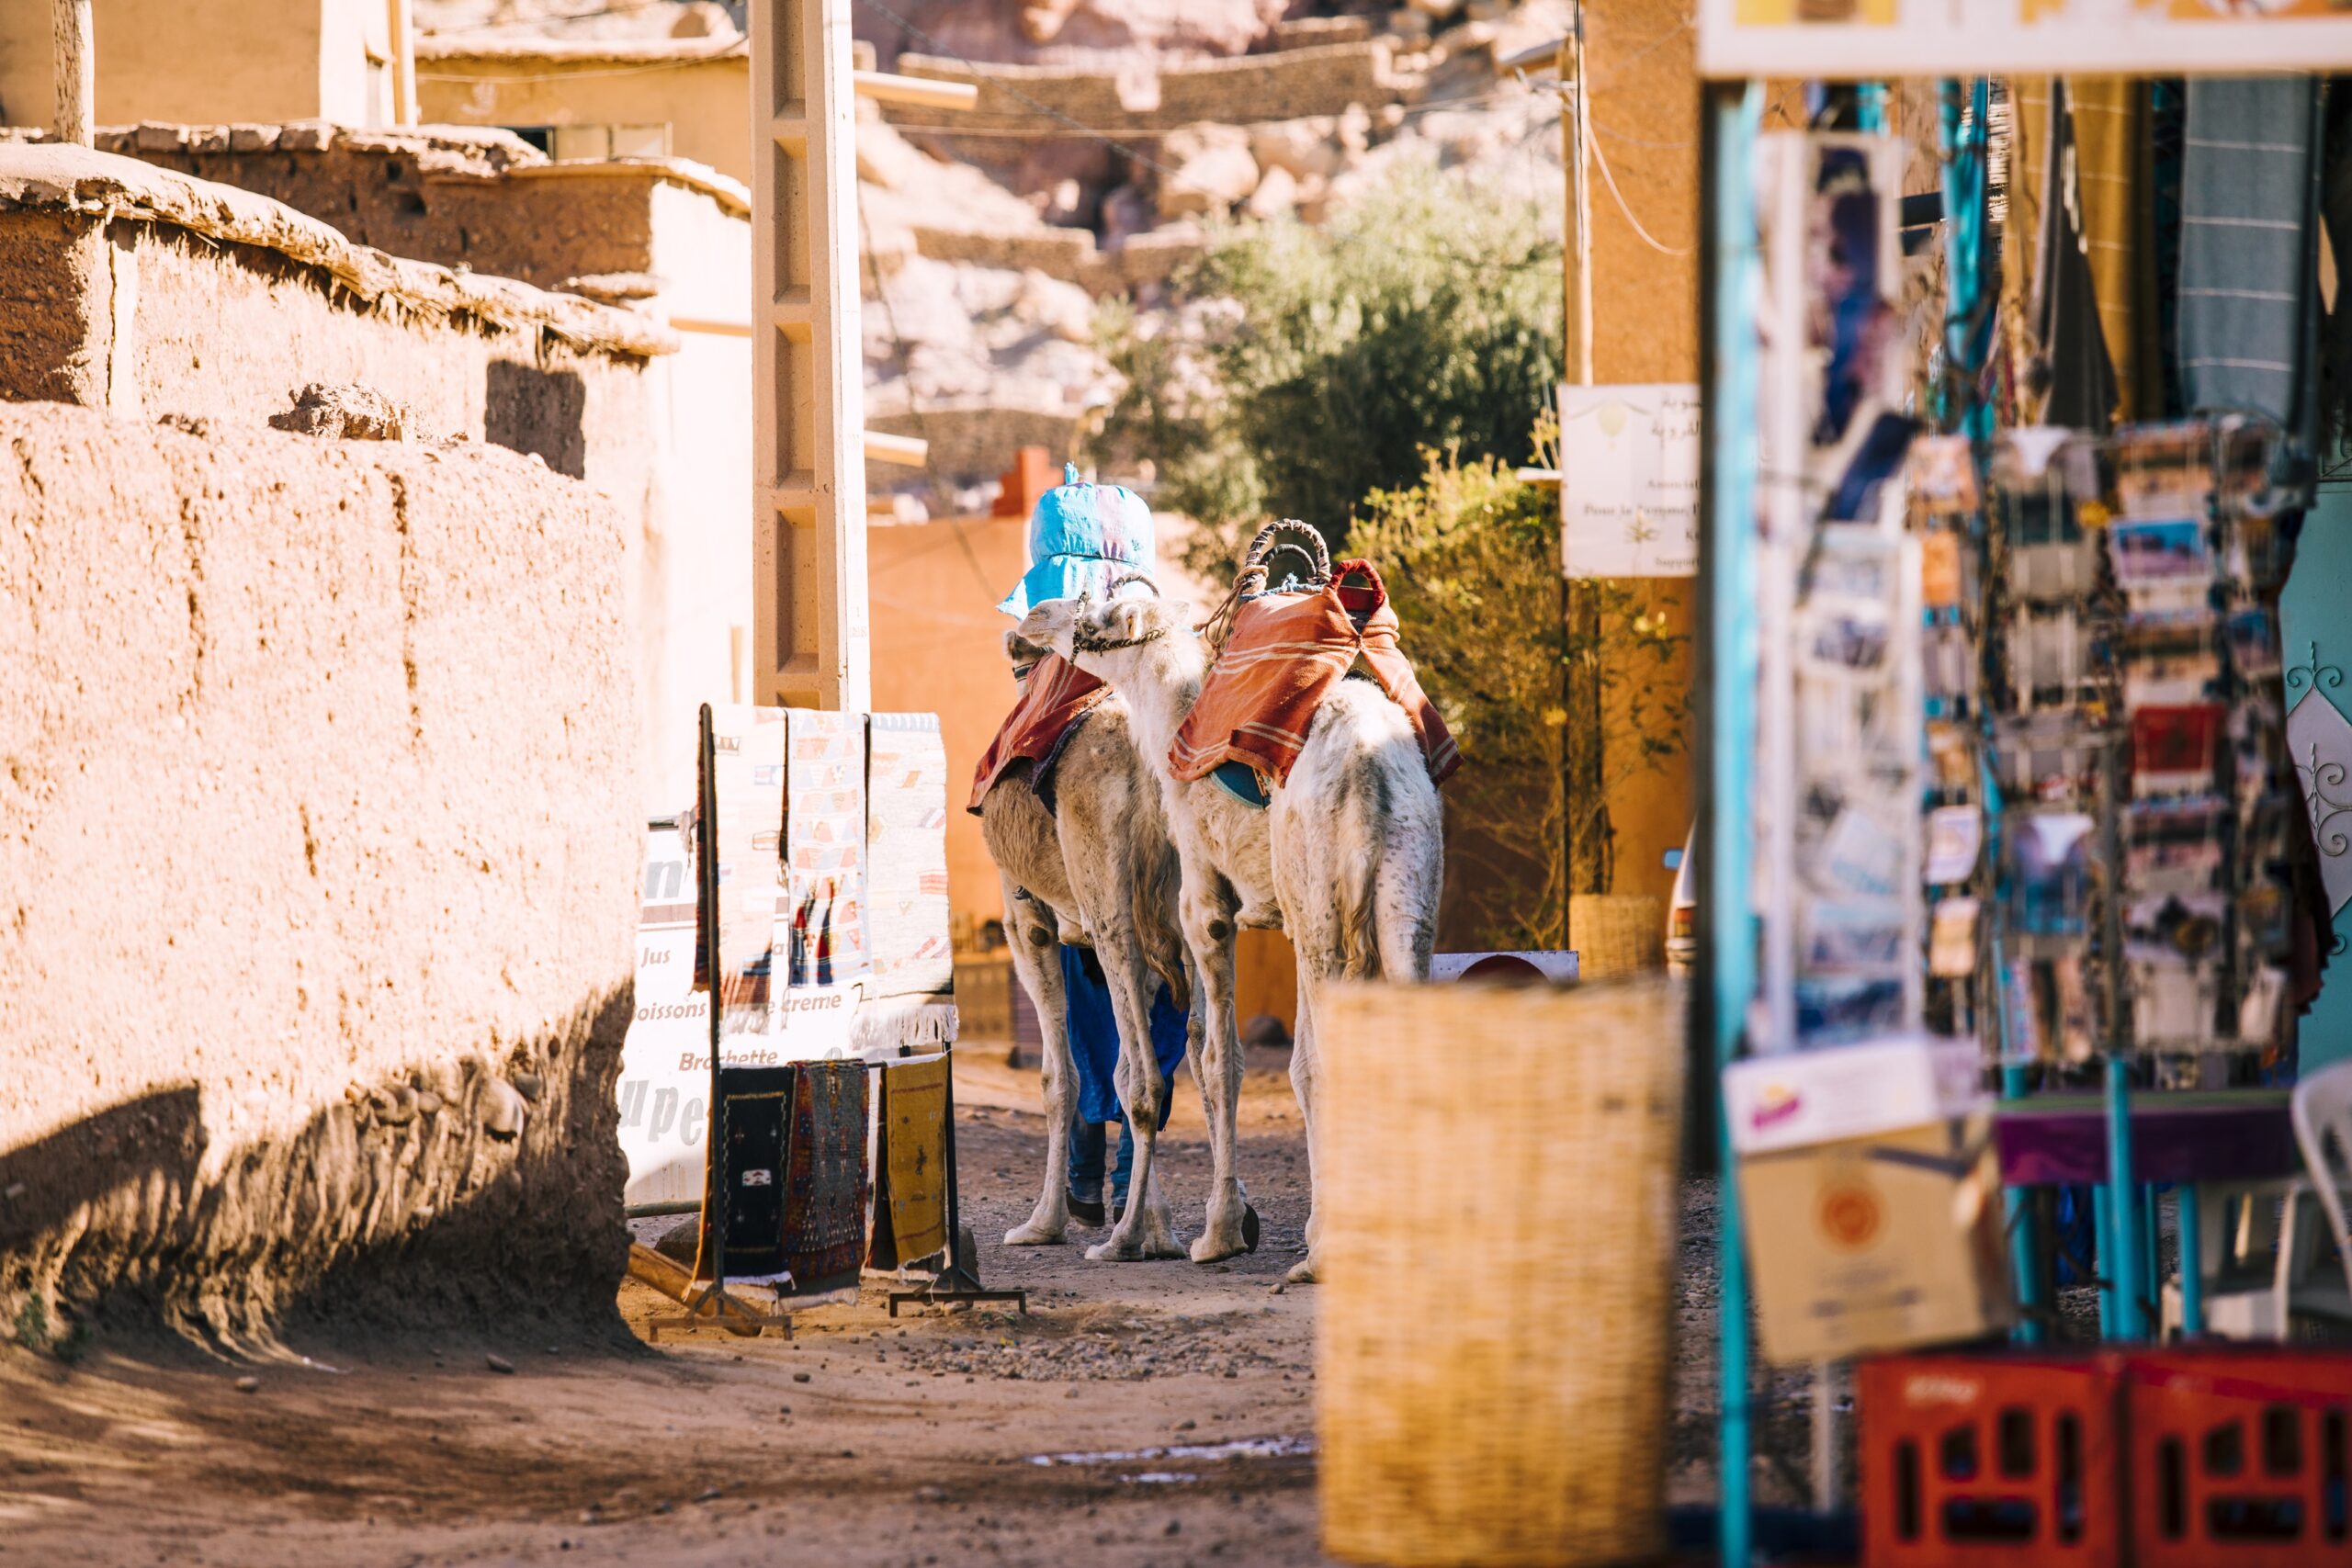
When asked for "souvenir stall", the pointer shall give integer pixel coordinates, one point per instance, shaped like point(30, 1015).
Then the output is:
point(2011, 905)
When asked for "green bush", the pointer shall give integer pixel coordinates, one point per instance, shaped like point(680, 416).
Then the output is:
point(1321, 363)
point(1471, 557)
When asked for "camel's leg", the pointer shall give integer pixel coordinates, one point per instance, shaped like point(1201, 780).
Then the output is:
point(1195, 1032)
point(1143, 1230)
point(1209, 931)
point(1306, 1075)
point(1038, 963)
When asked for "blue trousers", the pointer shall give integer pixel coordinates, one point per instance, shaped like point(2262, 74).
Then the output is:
point(1095, 1050)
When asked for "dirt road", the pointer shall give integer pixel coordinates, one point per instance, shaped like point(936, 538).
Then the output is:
point(1144, 1413)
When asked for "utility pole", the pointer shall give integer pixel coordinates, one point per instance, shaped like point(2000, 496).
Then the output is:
point(811, 641)
point(401, 17)
point(1575, 131)
point(76, 60)
point(1581, 766)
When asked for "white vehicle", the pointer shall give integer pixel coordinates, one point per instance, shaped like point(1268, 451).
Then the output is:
point(1681, 910)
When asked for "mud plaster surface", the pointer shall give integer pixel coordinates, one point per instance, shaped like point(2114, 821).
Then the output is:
point(317, 836)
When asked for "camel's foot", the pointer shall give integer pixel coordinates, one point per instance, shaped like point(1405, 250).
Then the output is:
point(1301, 1272)
point(1160, 1237)
point(1041, 1231)
point(1220, 1241)
point(1128, 1245)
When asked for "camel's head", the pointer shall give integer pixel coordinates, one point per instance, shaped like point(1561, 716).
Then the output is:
point(1021, 653)
point(1098, 635)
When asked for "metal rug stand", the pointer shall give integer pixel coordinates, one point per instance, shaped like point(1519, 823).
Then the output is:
point(956, 1281)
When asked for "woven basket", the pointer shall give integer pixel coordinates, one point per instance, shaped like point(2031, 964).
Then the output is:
point(1617, 934)
point(1495, 1174)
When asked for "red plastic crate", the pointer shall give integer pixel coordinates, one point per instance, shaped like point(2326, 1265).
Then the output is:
point(1990, 1461)
point(2239, 1457)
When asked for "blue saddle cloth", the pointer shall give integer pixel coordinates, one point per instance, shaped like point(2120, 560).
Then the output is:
point(1094, 1038)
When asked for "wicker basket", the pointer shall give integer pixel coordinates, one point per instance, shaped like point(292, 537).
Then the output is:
point(1617, 934)
point(1496, 1180)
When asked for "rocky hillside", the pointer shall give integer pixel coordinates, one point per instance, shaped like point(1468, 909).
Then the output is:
point(1112, 139)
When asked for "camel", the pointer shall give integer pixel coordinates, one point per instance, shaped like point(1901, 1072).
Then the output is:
point(1347, 856)
point(1097, 871)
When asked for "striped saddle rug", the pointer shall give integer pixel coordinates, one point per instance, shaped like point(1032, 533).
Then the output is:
point(1055, 696)
point(1285, 653)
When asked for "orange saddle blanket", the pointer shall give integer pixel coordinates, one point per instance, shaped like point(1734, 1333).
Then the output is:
point(1285, 650)
point(1054, 695)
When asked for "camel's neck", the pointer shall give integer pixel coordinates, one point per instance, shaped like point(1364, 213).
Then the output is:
point(1160, 682)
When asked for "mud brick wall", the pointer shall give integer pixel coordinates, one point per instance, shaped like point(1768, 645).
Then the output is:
point(319, 841)
point(1323, 79)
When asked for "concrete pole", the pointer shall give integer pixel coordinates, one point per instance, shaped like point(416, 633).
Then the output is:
point(76, 59)
point(810, 642)
point(401, 36)
point(1577, 130)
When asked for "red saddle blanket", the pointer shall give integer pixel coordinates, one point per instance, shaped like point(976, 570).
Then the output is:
point(1054, 697)
point(1285, 650)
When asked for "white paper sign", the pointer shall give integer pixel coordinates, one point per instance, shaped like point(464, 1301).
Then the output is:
point(1847, 38)
point(1629, 480)
point(664, 1088)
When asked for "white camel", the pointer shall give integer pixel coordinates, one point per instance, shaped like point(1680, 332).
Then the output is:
point(1347, 857)
point(1097, 871)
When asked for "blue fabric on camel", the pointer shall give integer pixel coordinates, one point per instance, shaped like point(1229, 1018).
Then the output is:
point(1094, 1038)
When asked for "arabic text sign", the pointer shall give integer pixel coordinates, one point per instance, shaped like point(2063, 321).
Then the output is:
point(1850, 38)
point(1629, 480)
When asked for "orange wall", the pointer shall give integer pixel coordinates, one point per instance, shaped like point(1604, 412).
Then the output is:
point(938, 648)
point(1646, 321)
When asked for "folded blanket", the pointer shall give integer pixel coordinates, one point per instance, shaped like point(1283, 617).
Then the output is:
point(1285, 650)
point(1054, 695)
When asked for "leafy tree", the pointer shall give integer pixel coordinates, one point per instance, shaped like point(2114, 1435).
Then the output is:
point(1310, 366)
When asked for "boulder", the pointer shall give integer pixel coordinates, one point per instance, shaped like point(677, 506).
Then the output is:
point(1303, 148)
point(887, 159)
point(1276, 196)
point(1206, 168)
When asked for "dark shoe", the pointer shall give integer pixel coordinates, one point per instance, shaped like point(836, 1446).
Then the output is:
point(1086, 1211)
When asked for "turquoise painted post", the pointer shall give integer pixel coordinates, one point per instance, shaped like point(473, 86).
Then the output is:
point(1869, 108)
point(2191, 1227)
point(2103, 1223)
point(1966, 145)
point(2025, 1234)
point(2123, 1201)
point(1727, 923)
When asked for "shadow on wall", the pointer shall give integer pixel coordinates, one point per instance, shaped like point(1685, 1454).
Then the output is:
point(482, 1191)
point(526, 408)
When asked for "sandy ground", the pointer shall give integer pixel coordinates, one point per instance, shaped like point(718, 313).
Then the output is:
point(1144, 1413)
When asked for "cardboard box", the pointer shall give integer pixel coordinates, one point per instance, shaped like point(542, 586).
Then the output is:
point(1800, 1097)
point(1884, 1242)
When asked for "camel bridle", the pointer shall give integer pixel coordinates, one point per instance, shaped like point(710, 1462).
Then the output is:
point(1080, 643)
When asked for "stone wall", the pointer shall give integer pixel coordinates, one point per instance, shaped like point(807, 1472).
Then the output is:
point(319, 827)
point(483, 199)
point(1321, 79)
